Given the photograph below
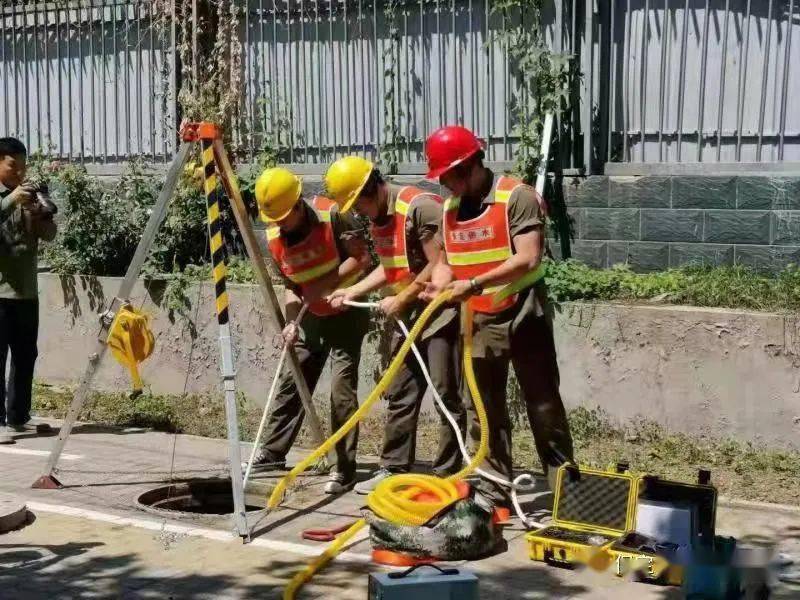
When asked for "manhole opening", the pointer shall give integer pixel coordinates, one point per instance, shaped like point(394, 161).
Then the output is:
point(201, 496)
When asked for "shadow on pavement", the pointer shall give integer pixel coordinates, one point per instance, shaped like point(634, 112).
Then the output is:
point(291, 515)
point(30, 572)
point(500, 584)
point(85, 428)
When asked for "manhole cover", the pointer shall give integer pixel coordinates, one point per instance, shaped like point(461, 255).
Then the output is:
point(202, 497)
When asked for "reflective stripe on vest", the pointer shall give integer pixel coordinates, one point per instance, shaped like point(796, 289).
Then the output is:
point(390, 240)
point(479, 245)
point(312, 258)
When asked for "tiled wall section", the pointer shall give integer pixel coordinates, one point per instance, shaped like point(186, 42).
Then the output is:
point(653, 223)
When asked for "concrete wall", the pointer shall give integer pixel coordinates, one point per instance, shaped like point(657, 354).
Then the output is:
point(187, 349)
point(706, 371)
point(699, 370)
point(656, 222)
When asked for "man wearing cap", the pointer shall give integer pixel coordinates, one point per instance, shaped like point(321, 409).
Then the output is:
point(494, 240)
point(405, 226)
point(317, 249)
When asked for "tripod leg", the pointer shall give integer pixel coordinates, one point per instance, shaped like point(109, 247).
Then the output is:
point(265, 283)
point(226, 349)
point(47, 480)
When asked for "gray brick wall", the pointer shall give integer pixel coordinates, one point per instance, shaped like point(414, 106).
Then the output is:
point(653, 223)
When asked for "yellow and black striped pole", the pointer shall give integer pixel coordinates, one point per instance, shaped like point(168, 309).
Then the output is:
point(220, 271)
point(208, 133)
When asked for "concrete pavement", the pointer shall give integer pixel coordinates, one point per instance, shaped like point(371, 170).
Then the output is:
point(89, 540)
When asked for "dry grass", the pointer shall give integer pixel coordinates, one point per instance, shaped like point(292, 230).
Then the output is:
point(739, 470)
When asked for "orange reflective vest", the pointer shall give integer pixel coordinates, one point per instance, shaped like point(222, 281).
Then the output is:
point(312, 258)
point(390, 239)
point(478, 245)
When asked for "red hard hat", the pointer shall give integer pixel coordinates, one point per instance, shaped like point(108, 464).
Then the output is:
point(447, 147)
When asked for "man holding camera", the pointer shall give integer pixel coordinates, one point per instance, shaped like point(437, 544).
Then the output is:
point(25, 218)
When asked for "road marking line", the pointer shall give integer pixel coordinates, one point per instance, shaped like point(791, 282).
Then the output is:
point(29, 452)
point(211, 534)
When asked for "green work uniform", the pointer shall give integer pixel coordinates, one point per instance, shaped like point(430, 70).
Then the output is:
point(19, 268)
point(522, 335)
point(339, 336)
point(19, 307)
point(438, 345)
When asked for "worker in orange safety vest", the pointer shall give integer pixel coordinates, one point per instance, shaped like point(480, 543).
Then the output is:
point(317, 249)
point(494, 239)
point(405, 227)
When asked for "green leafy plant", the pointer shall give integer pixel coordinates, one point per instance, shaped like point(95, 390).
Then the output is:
point(100, 227)
point(732, 287)
point(182, 239)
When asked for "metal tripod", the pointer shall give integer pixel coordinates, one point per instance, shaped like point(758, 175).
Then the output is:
point(215, 162)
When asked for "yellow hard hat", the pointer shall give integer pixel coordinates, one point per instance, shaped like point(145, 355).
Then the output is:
point(346, 178)
point(277, 191)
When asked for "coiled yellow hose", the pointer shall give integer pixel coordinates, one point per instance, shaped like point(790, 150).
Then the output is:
point(393, 498)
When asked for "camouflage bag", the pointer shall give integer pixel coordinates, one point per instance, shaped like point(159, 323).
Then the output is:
point(463, 531)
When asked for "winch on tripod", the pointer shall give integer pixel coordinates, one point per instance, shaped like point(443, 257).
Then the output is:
point(131, 341)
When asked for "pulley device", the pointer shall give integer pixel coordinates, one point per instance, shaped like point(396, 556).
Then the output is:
point(130, 340)
point(126, 331)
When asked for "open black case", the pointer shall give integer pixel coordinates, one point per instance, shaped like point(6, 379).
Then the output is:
point(652, 560)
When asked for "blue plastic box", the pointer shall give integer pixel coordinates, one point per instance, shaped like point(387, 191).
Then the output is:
point(424, 583)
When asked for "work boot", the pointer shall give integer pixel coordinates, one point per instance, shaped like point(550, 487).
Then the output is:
point(266, 461)
point(338, 483)
point(40, 428)
point(365, 487)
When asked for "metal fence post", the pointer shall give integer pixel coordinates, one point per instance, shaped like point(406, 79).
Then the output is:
point(587, 48)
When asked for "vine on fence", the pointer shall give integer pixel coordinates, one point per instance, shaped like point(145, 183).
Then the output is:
point(210, 55)
point(390, 153)
point(544, 78)
point(542, 74)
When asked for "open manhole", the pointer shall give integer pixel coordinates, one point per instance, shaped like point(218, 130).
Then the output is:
point(202, 497)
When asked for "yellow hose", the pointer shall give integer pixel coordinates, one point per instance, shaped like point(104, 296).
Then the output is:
point(392, 499)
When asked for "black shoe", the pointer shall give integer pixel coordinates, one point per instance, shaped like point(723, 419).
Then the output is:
point(40, 428)
point(444, 473)
point(269, 462)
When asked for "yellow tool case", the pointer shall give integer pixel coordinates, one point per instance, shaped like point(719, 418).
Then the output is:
point(591, 509)
point(637, 556)
point(645, 557)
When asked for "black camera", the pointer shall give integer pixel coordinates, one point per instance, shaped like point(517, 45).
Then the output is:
point(17, 231)
point(43, 206)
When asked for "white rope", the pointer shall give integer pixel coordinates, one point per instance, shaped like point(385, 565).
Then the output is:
point(361, 304)
point(270, 397)
point(522, 483)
